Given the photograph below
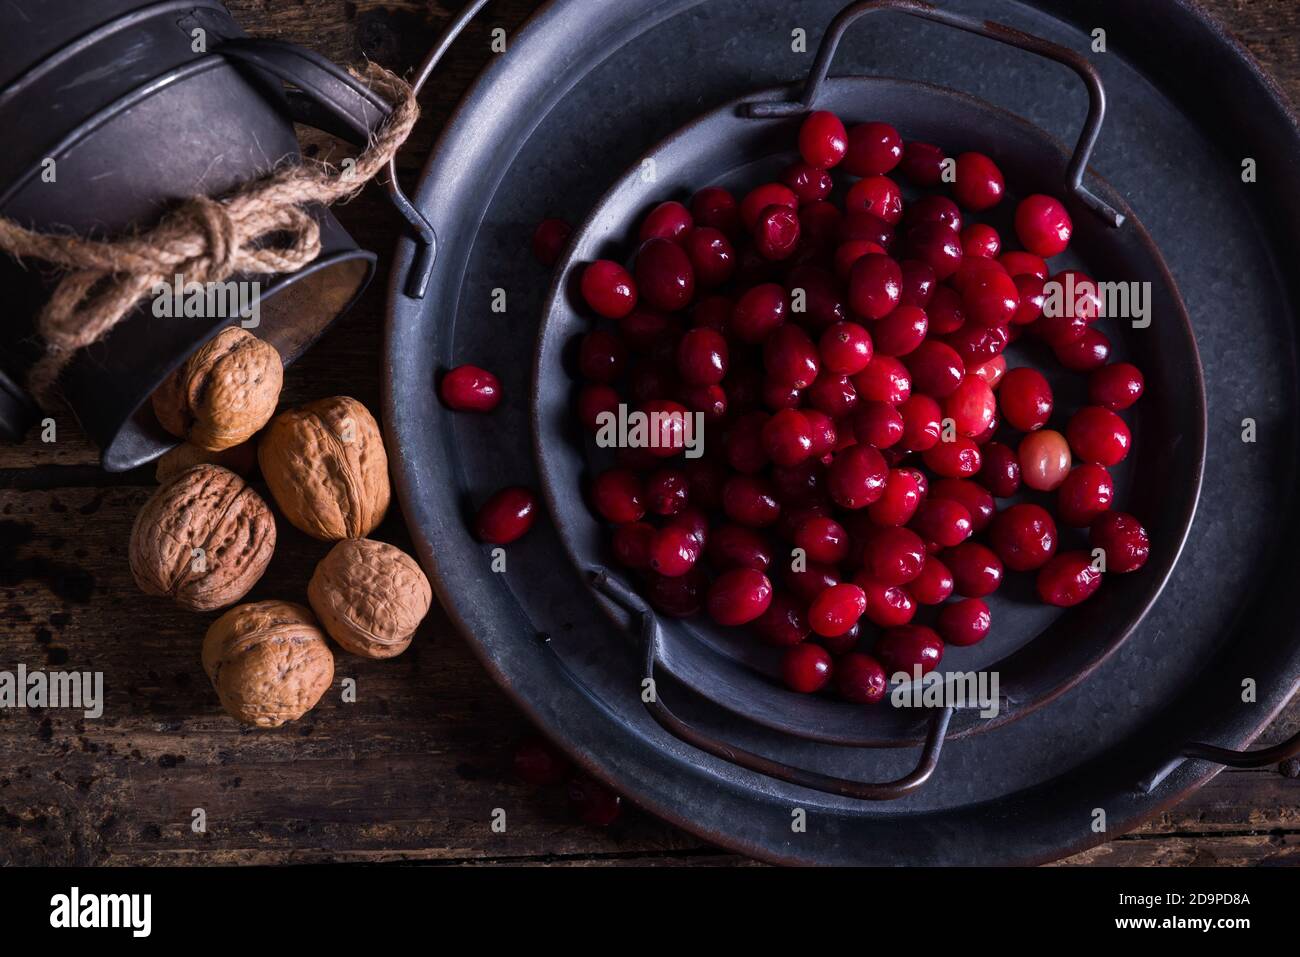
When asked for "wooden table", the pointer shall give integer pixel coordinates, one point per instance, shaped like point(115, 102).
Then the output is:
point(416, 766)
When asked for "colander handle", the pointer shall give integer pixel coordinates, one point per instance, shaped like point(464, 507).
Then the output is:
point(652, 635)
point(985, 28)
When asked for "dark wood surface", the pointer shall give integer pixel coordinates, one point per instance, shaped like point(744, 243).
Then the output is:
point(416, 767)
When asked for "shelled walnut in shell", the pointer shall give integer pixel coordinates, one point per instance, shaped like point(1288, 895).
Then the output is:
point(370, 597)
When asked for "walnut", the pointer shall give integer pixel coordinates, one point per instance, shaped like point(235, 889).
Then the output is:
point(370, 597)
point(223, 393)
point(240, 459)
point(203, 539)
point(326, 467)
point(268, 662)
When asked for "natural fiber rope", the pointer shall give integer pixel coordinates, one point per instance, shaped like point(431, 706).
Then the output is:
point(206, 240)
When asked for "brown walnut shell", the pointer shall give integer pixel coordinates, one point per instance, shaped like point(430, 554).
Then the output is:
point(240, 459)
point(203, 539)
point(326, 466)
point(268, 662)
point(370, 597)
point(223, 393)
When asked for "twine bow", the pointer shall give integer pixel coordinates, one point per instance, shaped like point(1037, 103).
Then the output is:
point(262, 228)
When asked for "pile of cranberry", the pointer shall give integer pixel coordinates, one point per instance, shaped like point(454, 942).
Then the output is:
point(846, 355)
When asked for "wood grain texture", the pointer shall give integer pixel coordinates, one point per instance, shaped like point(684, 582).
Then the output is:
point(416, 767)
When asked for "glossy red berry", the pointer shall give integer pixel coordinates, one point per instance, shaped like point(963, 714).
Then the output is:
point(812, 184)
point(602, 357)
point(977, 499)
point(922, 164)
point(737, 546)
point(761, 197)
point(1068, 579)
point(922, 422)
point(982, 240)
point(937, 245)
point(823, 539)
point(960, 458)
point(894, 556)
point(674, 551)
point(873, 149)
point(1116, 386)
point(965, 622)
point(823, 141)
point(979, 184)
point(972, 406)
point(899, 500)
point(991, 297)
point(784, 623)
point(837, 609)
point(702, 356)
point(790, 357)
point(715, 207)
point(875, 286)
point(902, 650)
point(1018, 263)
point(506, 516)
point(1096, 434)
point(712, 256)
point(934, 585)
point(1043, 225)
point(665, 277)
point(470, 389)
point(860, 678)
point(788, 437)
point(877, 195)
point(1025, 398)
point(845, 348)
point(877, 424)
point(806, 668)
point(1000, 471)
point(776, 232)
point(757, 312)
point(1024, 537)
point(750, 500)
point(739, 596)
point(942, 521)
point(1123, 539)
point(670, 220)
point(1044, 459)
point(549, 240)
point(885, 379)
point(619, 496)
point(1086, 492)
point(677, 597)
point(667, 491)
point(1090, 351)
point(833, 395)
point(936, 368)
point(902, 331)
point(976, 570)
point(609, 289)
point(857, 477)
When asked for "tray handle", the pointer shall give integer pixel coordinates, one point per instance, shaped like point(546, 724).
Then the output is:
point(652, 635)
point(985, 28)
point(1229, 758)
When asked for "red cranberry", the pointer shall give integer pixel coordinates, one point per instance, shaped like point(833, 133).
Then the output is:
point(875, 286)
point(549, 240)
point(971, 406)
point(750, 501)
point(919, 283)
point(664, 275)
point(860, 678)
point(822, 303)
point(1096, 434)
point(965, 622)
point(1116, 386)
point(922, 164)
point(608, 289)
point(758, 199)
point(877, 424)
point(811, 184)
point(857, 477)
point(904, 649)
point(1043, 225)
point(1089, 351)
point(977, 499)
point(946, 311)
point(960, 458)
point(833, 394)
point(812, 581)
point(824, 432)
point(669, 422)
point(1017, 263)
point(1031, 291)
point(922, 422)
point(978, 344)
point(859, 225)
point(936, 245)
point(888, 606)
point(716, 208)
point(702, 356)
point(894, 556)
point(1086, 492)
point(899, 501)
point(873, 149)
point(976, 571)
point(877, 195)
point(837, 609)
point(936, 368)
point(776, 233)
point(934, 585)
point(992, 297)
point(618, 496)
point(595, 804)
point(667, 491)
point(806, 668)
point(979, 183)
point(848, 253)
point(711, 255)
point(980, 239)
point(645, 328)
point(780, 395)
point(506, 516)
point(901, 332)
point(470, 389)
point(885, 379)
point(674, 551)
point(823, 141)
point(757, 312)
point(670, 220)
point(1068, 579)
point(992, 371)
point(1024, 537)
point(1000, 473)
point(601, 357)
point(784, 623)
point(1123, 539)
point(1025, 398)
point(788, 437)
point(790, 357)
point(845, 348)
point(677, 597)
point(822, 539)
point(1044, 459)
point(739, 596)
point(736, 546)
point(538, 763)
point(942, 521)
